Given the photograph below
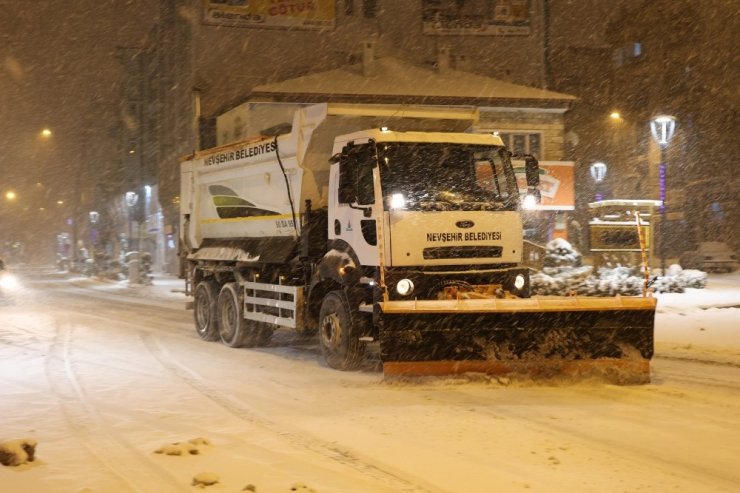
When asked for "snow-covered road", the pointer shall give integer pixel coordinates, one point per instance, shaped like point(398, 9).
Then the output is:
point(102, 377)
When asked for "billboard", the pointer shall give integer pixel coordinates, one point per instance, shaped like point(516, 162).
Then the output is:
point(606, 237)
point(287, 14)
point(557, 184)
point(477, 17)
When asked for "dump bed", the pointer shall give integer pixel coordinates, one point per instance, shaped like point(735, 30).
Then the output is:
point(256, 188)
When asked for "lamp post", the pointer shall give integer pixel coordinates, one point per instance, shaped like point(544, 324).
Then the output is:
point(94, 216)
point(598, 173)
point(662, 127)
point(131, 199)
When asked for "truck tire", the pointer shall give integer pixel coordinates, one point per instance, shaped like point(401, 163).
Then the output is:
point(205, 312)
point(339, 332)
point(233, 328)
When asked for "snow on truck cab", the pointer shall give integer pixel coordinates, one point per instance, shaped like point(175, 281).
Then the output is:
point(360, 228)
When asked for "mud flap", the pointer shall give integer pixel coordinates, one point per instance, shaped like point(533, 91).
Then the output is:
point(609, 338)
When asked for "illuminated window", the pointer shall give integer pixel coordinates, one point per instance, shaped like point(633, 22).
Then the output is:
point(524, 143)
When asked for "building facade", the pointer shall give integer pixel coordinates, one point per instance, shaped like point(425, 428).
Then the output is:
point(639, 59)
point(681, 61)
point(209, 56)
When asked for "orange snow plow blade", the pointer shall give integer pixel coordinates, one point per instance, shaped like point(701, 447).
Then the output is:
point(609, 338)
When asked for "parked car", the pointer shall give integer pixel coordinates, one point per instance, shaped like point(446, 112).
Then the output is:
point(710, 256)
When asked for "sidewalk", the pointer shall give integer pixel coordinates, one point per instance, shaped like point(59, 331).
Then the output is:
point(722, 291)
point(164, 287)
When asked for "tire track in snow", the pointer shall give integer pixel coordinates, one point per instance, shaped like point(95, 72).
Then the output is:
point(703, 361)
point(92, 430)
point(154, 308)
point(328, 450)
point(30, 338)
point(678, 369)
point(545, 425)
point(625, 450)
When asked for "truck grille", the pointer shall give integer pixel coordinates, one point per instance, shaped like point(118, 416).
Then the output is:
point(452, 252)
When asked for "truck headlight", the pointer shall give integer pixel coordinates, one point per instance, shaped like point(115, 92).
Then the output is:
point(404, 287)
point(398, 201)
point(529, 202)
point(519, 281)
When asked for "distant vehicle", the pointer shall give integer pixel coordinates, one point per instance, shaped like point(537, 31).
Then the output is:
point(8, 281)
point(710, 256)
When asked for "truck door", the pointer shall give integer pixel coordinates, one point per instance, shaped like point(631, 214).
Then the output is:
point(354, 201)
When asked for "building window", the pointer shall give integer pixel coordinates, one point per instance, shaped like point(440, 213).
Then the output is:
point(628, 52)
point(719, 214)
point(369, 8)
point(524, 143)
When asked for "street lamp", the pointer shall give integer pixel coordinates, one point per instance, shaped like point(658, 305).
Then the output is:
point(662, 127)
point(598, 173)
point(94, 216)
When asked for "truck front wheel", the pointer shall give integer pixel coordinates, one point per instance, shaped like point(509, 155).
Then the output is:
point(205, 313)
point(339, 332)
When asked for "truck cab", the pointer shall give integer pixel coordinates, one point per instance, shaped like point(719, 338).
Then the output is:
point(437, 202)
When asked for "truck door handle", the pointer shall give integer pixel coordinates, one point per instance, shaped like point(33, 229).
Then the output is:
point(337, 227)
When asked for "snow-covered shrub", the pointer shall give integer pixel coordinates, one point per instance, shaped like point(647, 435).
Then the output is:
point(694, 278)
point(677, 279)
point(673, 270)
point(559, 253)
point(668, 284)
point(625, 281)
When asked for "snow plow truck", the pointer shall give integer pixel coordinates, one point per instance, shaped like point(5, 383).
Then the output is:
point(376, 225)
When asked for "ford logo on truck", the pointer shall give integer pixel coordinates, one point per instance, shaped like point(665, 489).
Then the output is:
point(465, 224)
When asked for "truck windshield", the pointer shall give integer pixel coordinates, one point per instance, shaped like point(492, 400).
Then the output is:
point(434, 176)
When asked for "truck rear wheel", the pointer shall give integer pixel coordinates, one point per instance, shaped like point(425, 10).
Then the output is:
point(232, 326)
point(205, 313)
point(339, 332)
point(234, 329)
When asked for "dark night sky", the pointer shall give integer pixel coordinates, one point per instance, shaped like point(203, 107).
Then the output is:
point(58, 70)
